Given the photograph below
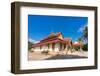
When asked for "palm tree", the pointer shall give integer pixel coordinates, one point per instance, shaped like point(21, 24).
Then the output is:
point(84, 38)
point(80, 40)
point(85, 34)
point(29, 45)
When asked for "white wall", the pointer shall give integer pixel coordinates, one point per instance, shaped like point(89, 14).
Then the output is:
point(37, 49)
point(57, 47)
point(50, 47)
point(5, 50)
point(45, 47)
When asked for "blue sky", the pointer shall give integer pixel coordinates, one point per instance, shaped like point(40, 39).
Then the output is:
point(40, 26)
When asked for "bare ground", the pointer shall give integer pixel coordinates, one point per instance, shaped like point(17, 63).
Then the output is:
point(69, 55)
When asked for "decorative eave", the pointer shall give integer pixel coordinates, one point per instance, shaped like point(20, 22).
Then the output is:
point(53, 38)
point(49, 42)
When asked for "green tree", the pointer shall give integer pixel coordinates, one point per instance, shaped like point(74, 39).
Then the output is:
point(85, 34)
point(29, 45)
point(80, 40)
point(83, 39)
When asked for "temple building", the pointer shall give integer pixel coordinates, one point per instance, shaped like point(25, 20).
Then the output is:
point(54, 42)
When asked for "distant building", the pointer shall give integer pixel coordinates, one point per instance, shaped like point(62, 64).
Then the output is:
point(54, 42)
point(77, 45)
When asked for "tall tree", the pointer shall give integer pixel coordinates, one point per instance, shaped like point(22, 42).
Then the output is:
point(84, 39)
point(80, 40)
point(30, 45)
point(85, 34)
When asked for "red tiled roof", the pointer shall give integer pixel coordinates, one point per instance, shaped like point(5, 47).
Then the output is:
point(53, 38)
point(77, 44)
point(47, 42)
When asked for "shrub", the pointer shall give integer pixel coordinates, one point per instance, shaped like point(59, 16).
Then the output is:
point(45, 52)
point(77, 48)
point(85, 47)
point(30, 50)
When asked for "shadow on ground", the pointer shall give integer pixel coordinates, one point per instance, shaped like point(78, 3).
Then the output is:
point(65, 57)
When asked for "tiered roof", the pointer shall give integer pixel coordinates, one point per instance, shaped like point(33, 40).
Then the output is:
point(53, 38)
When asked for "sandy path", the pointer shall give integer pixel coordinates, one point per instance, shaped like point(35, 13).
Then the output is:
point(79, 53)
point(39, 56)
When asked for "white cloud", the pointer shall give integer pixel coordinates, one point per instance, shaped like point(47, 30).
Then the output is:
point(32, 40)
point(81, 28)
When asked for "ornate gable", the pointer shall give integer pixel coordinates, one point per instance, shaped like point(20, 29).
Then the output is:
point(60, 36)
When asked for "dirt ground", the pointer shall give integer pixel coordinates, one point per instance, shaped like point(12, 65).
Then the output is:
point(69, 55)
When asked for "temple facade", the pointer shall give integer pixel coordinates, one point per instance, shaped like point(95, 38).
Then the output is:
point(54, 42)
